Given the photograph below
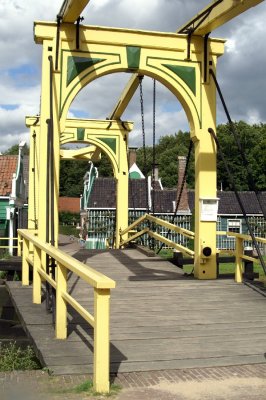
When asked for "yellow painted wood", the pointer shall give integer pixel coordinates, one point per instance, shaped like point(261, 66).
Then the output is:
point(125, 97)
point(248, 258)
point(134, 224)
point(101, 340)
point(135, 236)
point(94, 278)
point(246, 237)
point(173, 227)
point(20, 242)
point(171, 244)
point(81, 310)
point(72, 9)
point(37, 282)
point(239, 264)
point(61, 307)
point(25, 265)
point(47, 277)
point(222, 13)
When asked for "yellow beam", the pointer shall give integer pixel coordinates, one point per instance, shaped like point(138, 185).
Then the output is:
point(71, 9)
point(223, 12)
point(125, 97)
point(86, 153)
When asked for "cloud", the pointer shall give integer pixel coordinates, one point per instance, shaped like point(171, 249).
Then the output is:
point(241, 71)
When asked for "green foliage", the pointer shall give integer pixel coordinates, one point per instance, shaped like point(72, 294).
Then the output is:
point(253, 142)
point(167, 151)
point(72, 173)
point(14, 150)
point(13, 357)
point(71, 177)
point(104, 166)
point(169, 147)
point(87, 387)
point(68, 218)
point(68, 230)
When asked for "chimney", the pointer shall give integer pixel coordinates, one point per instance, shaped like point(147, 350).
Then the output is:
point(132, 156)
point(156, 172)
point(183, 205)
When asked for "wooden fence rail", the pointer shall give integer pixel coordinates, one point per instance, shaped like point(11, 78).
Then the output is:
point(34, 253)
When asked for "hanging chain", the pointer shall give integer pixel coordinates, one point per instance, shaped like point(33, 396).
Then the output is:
point(143, 126)
point(153, 145)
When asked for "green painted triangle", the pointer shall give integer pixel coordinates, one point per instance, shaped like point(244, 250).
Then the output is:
point(187, 74)
point(111, 142)
point(76, 65)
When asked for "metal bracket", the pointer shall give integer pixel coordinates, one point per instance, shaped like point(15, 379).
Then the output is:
point(58, 24)
point(79, 20)
point(206, 58)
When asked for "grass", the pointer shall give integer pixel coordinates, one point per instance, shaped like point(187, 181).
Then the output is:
point(87, 387)
point(68, 230)
point(13, 357)
point(227, 268)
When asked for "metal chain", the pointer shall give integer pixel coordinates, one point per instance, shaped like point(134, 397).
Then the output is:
point(143, 140)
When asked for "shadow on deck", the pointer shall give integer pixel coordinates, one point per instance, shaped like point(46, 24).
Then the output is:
point(160, 319)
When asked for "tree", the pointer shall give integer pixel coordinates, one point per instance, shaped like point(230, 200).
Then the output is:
point(14, 150)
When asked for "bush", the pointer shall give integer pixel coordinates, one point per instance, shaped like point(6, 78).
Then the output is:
point(13, 357)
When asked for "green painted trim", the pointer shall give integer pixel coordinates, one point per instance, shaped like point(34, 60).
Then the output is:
point(76, 65)
point(134, 175)
point(133, 57)
point(80, 133)
point(95, 69)
point(178, 82)
point(111, 142)
point(187, 74)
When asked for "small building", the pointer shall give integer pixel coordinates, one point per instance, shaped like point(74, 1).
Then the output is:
point(13, 195)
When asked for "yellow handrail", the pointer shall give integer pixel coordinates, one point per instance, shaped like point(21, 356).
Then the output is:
point(8, 246)
point(101, 284)
point(173, 227)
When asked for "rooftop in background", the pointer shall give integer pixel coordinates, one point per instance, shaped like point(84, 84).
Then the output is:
point(8, 166)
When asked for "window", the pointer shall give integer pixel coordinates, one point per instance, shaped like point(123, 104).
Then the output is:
point(234, 225)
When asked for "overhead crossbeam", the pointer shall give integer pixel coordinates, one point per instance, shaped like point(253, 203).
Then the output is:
point(125, 97)
point(71, 10)
point(215, 15)
point(91, 153)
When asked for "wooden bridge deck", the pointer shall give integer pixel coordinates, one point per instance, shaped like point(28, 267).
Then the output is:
point(159, 319)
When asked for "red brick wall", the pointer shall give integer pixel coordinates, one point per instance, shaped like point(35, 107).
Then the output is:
point(69, 204)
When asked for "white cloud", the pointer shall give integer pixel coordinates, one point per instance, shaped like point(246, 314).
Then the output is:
point(241, 71)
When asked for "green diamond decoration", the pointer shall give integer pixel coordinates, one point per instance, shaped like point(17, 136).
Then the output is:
point(187, 74)
point(76, 65)
point(111, 142)
point(80, 133)
point(133, 57)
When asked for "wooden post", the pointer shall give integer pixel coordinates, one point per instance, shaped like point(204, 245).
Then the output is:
point(61, 307)
point(101, 340)
point(239, 265)
point(37, 280)
point(25, 265)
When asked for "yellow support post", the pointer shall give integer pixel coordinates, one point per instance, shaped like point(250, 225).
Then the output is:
point(61, 307)
point(101, 340)
point(37, 281)
point(239, 262)
point(25, 265)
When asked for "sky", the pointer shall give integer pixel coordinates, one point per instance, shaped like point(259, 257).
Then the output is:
point(241, 70)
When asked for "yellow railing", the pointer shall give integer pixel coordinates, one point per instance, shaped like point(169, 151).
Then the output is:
point(34, 253)
point(157, 236)
point(8, 246)
point(240, 256)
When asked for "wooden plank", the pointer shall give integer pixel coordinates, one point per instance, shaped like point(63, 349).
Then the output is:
point(155, 323)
